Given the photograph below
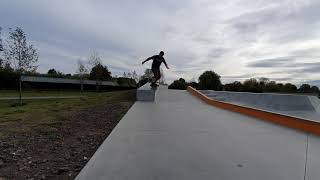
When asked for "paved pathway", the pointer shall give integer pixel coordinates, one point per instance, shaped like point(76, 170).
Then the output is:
point(180, 137)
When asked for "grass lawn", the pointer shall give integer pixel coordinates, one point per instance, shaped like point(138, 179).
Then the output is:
point(55, 138)
point(44, 114)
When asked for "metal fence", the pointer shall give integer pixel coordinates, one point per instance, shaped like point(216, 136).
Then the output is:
point(69, 81)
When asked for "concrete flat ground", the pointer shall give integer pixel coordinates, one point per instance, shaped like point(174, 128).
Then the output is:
point(180, 137)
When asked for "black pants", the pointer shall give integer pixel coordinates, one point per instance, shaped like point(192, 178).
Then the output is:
point(156, 74)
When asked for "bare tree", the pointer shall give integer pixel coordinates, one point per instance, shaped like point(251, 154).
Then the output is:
point(1, 50)
point(129, 75)
point(135, 76)
point(19, 53)
point(94, 59)
point(82, 70)
point(147, 74)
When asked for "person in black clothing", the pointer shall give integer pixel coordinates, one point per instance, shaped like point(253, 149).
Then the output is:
point(157, 60)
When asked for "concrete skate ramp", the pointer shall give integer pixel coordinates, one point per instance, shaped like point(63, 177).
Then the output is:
point(294, 105)
point(179, 137)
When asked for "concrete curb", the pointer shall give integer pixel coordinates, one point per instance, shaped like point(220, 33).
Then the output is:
point(146, 93)
point(284, 120)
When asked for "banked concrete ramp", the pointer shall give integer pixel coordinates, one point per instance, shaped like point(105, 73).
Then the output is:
point(179, 137)
point(303, 106)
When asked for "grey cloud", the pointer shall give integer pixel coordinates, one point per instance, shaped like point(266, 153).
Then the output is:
point(288, 65)
point(195, 36)
point(217, 52)
point(271, 63)
point(313, 52)
point(309, 67)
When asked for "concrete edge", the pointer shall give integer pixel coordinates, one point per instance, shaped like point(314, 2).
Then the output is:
point(315, 103)
point(284, 120)
point(146, 93)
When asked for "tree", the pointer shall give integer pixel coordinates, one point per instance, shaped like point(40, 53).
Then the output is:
point(1, 50)
point(19, 53)
point(52, 72)
point(305, 88)
point(135, 76)
point(210, 80)
point(251, 85)
point(8, 78)
point(94, 59)
point(81, 68)
point(100, 73)
point(271, 86)
point(289, 88)
point(178, 84)
point(193, 84)
point(279, 87)
point(263, 81)
point(148, 74)
point(314, 89)
point(145, 77)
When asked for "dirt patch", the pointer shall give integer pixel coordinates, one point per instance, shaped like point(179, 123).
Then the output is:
point(63, 150)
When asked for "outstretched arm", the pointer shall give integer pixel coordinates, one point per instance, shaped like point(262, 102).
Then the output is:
point(165, 63)
point(148, 59)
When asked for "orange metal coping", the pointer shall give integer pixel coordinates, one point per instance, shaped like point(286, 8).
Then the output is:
point(284, 120)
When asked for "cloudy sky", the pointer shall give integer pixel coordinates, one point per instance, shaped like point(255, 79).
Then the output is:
point(239, 39)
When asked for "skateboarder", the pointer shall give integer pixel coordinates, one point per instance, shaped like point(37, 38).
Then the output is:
point(157, 60)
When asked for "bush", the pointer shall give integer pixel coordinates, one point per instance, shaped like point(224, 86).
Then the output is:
point(193, 84)
point(8, 79)
point(210, 80)
point(235, 86)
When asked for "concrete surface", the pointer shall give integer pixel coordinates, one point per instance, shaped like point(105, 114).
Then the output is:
point(302, 106)
point(146, 93)
point(313, 165)
point(180, 137)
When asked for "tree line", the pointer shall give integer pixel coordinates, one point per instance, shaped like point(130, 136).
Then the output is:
point(210, 80)
point(19, 57)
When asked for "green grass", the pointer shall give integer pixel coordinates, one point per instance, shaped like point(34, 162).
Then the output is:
point(44, 113)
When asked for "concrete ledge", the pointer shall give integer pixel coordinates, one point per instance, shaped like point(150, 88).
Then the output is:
point(146, 93)
point(305, 125)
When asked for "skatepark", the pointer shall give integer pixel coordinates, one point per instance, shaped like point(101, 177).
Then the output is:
point(307, 107)
point(174, 134)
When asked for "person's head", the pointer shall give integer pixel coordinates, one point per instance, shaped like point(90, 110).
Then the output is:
point(161, 53)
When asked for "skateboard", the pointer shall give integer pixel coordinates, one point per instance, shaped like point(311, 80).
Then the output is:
point(154, 85)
